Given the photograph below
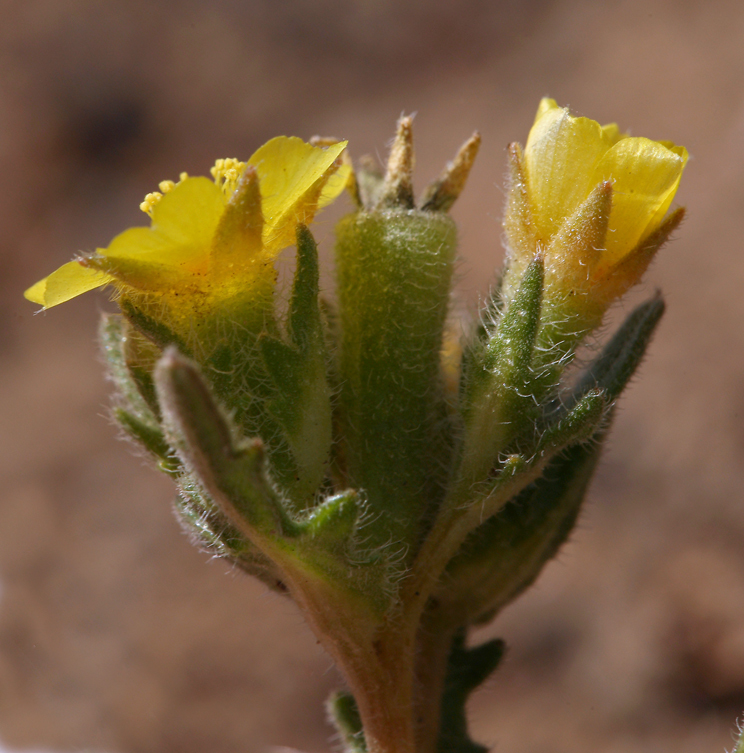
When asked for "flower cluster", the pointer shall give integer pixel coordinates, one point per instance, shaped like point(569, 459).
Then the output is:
point(399, 487)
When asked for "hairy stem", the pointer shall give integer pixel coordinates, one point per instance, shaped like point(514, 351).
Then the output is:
point(435, 638)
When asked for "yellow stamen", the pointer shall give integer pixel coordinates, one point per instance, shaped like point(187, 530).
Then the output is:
point(153, 198)
point(226, 173)
point(170, 264)
point(150, 201)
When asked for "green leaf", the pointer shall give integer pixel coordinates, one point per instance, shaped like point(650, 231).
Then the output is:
point(150, 437)
point(471, 504)
point(578, 424)
point(505, 554)
point(475, 341)
point(157, 332)
point(344, 714)
point(332, 524)
point(498, 398)
point(210, 530)
point(300, 400)
point(285, 366)
point(466, 670)
point(233, 474)
point(321, 545)
point(740, 742)
point(508, 352)
point(127, 358)
point(304, 327)
point(622, 355)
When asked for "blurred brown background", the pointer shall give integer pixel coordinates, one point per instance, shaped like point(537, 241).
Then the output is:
point(116, 636)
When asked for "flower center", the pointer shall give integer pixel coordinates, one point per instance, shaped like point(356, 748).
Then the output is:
point(226, 173)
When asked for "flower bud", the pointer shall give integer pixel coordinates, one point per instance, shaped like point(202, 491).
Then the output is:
point(593, 202)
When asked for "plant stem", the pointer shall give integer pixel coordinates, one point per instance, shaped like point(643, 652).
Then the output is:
point(384, 695)
point(435, 638)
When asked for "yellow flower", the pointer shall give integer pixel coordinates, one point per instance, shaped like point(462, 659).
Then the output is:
point(210, 241)
point(592, 201)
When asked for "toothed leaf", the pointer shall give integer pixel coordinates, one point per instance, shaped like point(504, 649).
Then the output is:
point(211, 531)
point(620, 358)
point(234, 475)
point(150, 437)
point(504, 556)
point(466, 670)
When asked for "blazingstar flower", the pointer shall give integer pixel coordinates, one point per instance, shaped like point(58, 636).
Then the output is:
point(592, 201)
point(400, 487)
point(211, 242)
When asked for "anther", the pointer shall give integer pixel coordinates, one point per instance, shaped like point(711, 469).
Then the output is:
point(150, 201)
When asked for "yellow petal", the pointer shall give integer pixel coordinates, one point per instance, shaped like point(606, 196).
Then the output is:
point(518, 221)
point(546, 105)
point(645, 175)
point(183, 224)
point(612, 133)
point(335, 185)
point(69, 281)
point(292, 176)
point(560, 157)
point(145, 275)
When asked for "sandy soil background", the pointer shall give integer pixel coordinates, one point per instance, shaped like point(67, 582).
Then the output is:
point(116, 636)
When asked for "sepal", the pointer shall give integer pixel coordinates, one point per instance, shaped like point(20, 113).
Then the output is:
point(519, 225)
point(618, 279)
point(440, 195)
point(369, 182)
point(397, 190)
point(576, 248)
